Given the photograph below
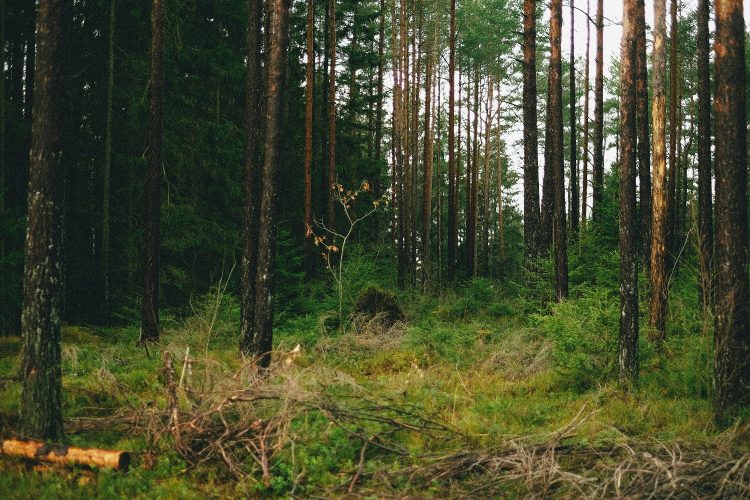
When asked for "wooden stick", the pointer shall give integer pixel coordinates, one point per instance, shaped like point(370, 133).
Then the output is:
point(65, 455)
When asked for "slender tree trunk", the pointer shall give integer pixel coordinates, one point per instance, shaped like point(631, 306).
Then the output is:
point(501, 222)
point(556, 151)
point(262, 342)
point(673, 126)
point(574, 187)
point(151, 260)
point(251, 222)
point(380, 96)
point(41, 395)
point(548, 184)
point(642, 123)
point(309, 101)
point(598, 177)
point(485, 257)
point(472, 184)
point(530, 135)
point(628, 351)
point(439, 173)
point(4, 323)
point(330, 207)
point(105, 310)
point(452, 177)
point(732, 340)
point(586, 142)
point(705, 200)
point(659, 284)
point(427, 162)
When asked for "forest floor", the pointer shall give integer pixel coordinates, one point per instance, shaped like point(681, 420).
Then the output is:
point(480, 393)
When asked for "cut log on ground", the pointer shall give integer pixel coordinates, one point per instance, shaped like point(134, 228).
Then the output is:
point(66, 455)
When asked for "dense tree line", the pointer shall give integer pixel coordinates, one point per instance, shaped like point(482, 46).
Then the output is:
point(163, 153)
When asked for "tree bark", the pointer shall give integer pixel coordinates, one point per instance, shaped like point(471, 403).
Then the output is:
point(427, 163)
point(556, 152)
point(106, 173)
point(530, 135)
point(151, 258)
point(659, 284)
point(41, 394)
point(330, 207)
point(574, 187)
point(309, 101)
point(628, 345)
point(66, 455)
point(262, 342)
point(673, 140)
point(251, 222)
point(705, 188)
point(598, 173)
point(642, 123)
point(485, 256)
point(586, 137)
point(732, 339)
point(452, 177)
point(501, 222)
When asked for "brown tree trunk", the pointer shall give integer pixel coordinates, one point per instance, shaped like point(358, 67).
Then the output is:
point(644, 147)
point(556, 151)
point(427, 163)
point(251, 222)
point(705, 201)
point(4, 323)
point(485, 256)
point(262, 342)
point(732, 339)
point(673, 140)
point(574, 187)
point(628, 345)
point(107, 167)
point(151, 260)
point(548, 184)
point(659, 284)
point(530, 135)
point(501, 222)
point(330, 207)
point(598, 173)
point(41, 395)
point(380, 96)
point(586, 142)
point(452, 177)
point(472, 185)
point(309, 98)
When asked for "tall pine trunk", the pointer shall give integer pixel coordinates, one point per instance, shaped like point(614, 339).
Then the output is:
point(428, 154)
point(530, 134)
point(586, 137)
point(330, 207)
point(673, 140)
point(452, 177)
point(598, 173)
point(41, 395)
point(556, 151)
point(309, 101)
point(251, 222)
point(262, 341)
point(705, 201)
point(151, 219)
point(642, 123)
point(732, 339)
point(107, 168)
point(628, 345)
point(659, 284)
point(574, 187)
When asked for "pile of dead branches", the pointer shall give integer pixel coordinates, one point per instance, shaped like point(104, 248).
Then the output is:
point(245, 419)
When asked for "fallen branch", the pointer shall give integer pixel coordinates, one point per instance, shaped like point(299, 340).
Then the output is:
point(65, 455)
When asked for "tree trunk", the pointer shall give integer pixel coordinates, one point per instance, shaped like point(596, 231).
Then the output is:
point(628, 349)
point(4, 323)
point(151, 258)
point(501, 223)
point(452, 177)
point(380, 96)
point(330, 207)
point(309, 101)
point(705, 201)
point(673, 125)
point(41, 395)
point(732, 340)
point(485, 257)
point(659, 284)
point(106, 176)
point(574, 187)
point(586, 142)
point(427, 163)
point(530, 135)
point(251, 222)
point(644, 147)
point(262, 342)
point(548, 183)
point(598, 174)
point(556, 151)
point(473, 184)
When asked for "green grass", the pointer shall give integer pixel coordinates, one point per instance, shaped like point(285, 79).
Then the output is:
point(482, 358)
